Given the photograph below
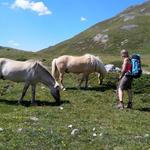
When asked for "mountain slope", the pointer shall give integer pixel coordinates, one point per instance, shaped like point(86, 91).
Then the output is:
point(12, 53)
point(129, 29)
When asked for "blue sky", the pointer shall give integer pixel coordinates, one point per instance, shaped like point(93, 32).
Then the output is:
point(36, 24)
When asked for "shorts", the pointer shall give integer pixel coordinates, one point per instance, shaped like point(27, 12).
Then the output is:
point(125, 83)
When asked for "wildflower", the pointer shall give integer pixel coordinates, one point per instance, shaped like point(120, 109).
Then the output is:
point(94, 134)
point(20, 129)
point(1, 129)
point(34, 118)
point(70, 126)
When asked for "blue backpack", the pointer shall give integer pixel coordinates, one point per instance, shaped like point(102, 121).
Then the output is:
point(136, 70)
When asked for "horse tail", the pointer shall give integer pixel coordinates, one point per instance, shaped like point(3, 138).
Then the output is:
point(55, 72)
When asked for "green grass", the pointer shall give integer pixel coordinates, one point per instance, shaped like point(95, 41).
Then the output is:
point(83, 109)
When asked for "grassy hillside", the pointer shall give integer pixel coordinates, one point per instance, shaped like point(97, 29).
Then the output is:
point(15, 54)
point(99, 126)
point(129, 29)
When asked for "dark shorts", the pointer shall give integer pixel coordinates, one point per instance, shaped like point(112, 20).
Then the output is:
point(125, 83)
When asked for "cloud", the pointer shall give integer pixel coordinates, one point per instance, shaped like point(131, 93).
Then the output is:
point(12, 42)
point(38, 7)
point(82, 19)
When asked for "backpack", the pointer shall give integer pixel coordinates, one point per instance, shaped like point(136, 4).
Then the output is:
point(136, 70)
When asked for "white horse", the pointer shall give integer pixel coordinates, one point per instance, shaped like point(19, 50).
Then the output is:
point(85, 64)
point(31, 72)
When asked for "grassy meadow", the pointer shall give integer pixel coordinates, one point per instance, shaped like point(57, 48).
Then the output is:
point(86, 119)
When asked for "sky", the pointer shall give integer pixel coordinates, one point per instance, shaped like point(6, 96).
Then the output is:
point(36, 24)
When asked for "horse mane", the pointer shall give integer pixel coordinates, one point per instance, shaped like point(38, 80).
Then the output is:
point(97, 63)
point(38, 63)
point(34, 63)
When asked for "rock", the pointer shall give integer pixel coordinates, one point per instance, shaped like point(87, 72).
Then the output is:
point(112, 68)
point(127, 17)
point(117, 69)
point(129, 27)
point(74, 132)
point(142, 10)
point(146, 72)
point(106, 30)
point(103, 38)
point(145, 11)
point(109, 67)
point(124, 42)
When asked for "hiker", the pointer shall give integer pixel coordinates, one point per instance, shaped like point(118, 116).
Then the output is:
point(125, 81)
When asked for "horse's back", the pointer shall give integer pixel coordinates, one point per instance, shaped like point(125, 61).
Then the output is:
point(74, 64)
point(17, 70)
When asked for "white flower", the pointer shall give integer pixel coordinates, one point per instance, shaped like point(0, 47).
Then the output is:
point(1, 129)
point(70, 126)
point(61, 108)
point(94, 134)
point(42, 87)
point(20, 129)
point(146, 135)
point(100, 134)
point(34, 118)
point(94, 129)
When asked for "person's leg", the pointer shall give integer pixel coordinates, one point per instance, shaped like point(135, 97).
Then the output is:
point(120, 95)
point(129, 93)
point(120, 104)
point(129, 98)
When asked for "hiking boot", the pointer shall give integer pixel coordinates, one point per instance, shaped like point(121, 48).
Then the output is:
point(129, 105)
point(120, 105)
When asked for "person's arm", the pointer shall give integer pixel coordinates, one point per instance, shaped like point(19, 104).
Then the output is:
point(123, 68)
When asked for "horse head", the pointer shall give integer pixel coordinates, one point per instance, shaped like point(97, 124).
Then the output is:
point(55, 91)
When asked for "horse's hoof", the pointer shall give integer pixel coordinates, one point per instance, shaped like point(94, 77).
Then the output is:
point(33, 104)
point(64, 89)
point(58, 103)
point(20, 102)
point(78, 87)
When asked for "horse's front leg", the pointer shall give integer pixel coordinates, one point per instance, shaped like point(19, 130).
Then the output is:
point(61, 81)
point(86, 81)
point(33, 94)
point(82, 79)
point(100, 79)
point(26, 86)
